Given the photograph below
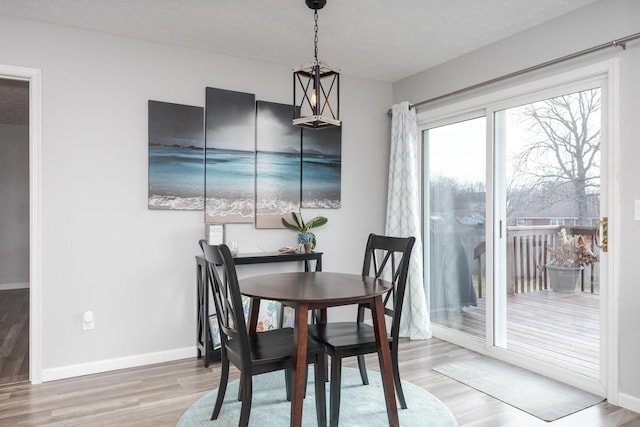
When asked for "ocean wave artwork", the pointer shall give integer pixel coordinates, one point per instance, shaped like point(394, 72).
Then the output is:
point(277, 187)
point(239, 160)
point(176, 178)
point(321, 176)
point(176, 156)
point(229, 186)
point(230, 156)
point(322, 168)
point(278, 145)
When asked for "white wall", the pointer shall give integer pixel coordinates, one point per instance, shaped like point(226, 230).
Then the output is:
point(103, 249)
point(14, 206)
point(593, 25)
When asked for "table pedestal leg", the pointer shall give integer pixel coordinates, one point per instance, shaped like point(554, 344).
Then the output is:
point(254, 309)
point(300, 333)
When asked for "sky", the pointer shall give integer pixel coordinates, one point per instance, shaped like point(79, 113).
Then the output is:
point(176, 124)
point(274, 131)
point(459, 151)
point(327, 141)
point(230, 120)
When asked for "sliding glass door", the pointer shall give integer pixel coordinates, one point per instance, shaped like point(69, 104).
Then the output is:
point(512, 195)
point(547, 203)
point(455, 218)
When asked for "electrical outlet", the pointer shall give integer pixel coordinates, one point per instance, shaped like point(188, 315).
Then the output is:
point(87, 320)
point(86, 326)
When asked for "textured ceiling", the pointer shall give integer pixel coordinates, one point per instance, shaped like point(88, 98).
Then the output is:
point(382, 40)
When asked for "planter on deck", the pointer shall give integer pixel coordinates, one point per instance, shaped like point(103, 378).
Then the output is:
point(564, 279)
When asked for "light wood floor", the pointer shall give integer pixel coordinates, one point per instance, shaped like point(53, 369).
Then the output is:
point(157, 395)
point(14, 336)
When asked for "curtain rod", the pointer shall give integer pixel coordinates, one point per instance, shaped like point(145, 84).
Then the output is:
point(614, 43)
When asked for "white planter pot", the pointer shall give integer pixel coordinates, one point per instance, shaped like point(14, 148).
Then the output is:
point(564, 279)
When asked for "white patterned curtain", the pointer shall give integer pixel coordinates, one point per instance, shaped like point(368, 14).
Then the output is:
point(403, 216)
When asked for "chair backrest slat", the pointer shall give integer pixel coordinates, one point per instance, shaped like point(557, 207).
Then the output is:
point(221, 271)
point(395, 253)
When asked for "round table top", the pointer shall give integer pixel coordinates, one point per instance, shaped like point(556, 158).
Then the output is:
point(318, 287)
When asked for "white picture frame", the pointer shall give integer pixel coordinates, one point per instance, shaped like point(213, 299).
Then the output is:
point(214, 234)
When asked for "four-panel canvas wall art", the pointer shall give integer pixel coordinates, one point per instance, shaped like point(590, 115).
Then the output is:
point(240, 160)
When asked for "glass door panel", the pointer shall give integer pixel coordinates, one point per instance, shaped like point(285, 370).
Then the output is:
point(549, 286)
point(454, 224)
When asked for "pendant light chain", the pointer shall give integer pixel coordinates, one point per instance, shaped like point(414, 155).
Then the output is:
point(315, 39)
point(316, 86)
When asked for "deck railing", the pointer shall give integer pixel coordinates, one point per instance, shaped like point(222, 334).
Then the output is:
point(528, 253)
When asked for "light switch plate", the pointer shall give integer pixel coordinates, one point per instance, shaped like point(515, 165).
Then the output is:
point(636, 213)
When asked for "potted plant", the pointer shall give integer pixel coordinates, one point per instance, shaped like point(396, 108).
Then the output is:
point(305, 236)
point(567, 260)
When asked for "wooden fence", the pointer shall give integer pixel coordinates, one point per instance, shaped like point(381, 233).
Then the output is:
point(527, 256)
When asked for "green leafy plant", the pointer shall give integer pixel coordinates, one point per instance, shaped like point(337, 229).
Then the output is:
point(304, 228)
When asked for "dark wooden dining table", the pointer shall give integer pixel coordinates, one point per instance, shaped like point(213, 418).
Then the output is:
point(318, 291)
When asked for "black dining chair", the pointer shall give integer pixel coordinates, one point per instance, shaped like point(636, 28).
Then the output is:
point(252, 353)
point(383, 255)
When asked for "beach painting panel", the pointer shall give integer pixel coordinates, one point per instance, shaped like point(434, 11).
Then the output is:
point(230, 156)
point(321, 168)
point(176, 156)
point(278, 160)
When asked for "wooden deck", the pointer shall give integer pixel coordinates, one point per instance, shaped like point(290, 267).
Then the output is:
point(564, 327)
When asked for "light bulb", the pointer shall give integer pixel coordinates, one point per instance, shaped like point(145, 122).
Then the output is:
point(314, 98)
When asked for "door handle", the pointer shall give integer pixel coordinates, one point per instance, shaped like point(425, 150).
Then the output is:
point(601, 234)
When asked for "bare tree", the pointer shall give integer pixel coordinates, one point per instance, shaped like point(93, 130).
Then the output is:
point(566, 147)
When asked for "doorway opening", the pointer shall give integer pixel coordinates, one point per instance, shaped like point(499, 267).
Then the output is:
point(33, 77)
point(14, 227)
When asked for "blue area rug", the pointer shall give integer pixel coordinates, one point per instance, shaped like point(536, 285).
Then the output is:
point(361, 405)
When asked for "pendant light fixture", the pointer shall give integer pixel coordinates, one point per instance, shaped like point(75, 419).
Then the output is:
point(316, 87)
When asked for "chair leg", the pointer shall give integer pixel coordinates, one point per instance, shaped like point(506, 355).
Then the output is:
point(245, 409)
point(363, 369)
point(280, 316)
point(222, 389)
point(240, 383)
point(396, 376)
point(319, 368)
point(288, 378)
point(334, 393)
point(287, 382)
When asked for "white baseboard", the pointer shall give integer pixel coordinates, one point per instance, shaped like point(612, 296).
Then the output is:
point(631, 403)
point(10, 286)
point(62, 372)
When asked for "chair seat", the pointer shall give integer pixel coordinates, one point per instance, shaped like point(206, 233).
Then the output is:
point(345, 336)
point(269, 346)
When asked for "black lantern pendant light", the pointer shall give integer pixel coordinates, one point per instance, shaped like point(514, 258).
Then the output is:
point(316, 87)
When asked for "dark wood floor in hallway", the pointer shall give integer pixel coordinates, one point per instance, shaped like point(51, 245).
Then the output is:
point(14, 336)
point(157, 395)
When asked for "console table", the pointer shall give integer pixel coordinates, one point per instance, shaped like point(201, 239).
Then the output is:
point(203, 339)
